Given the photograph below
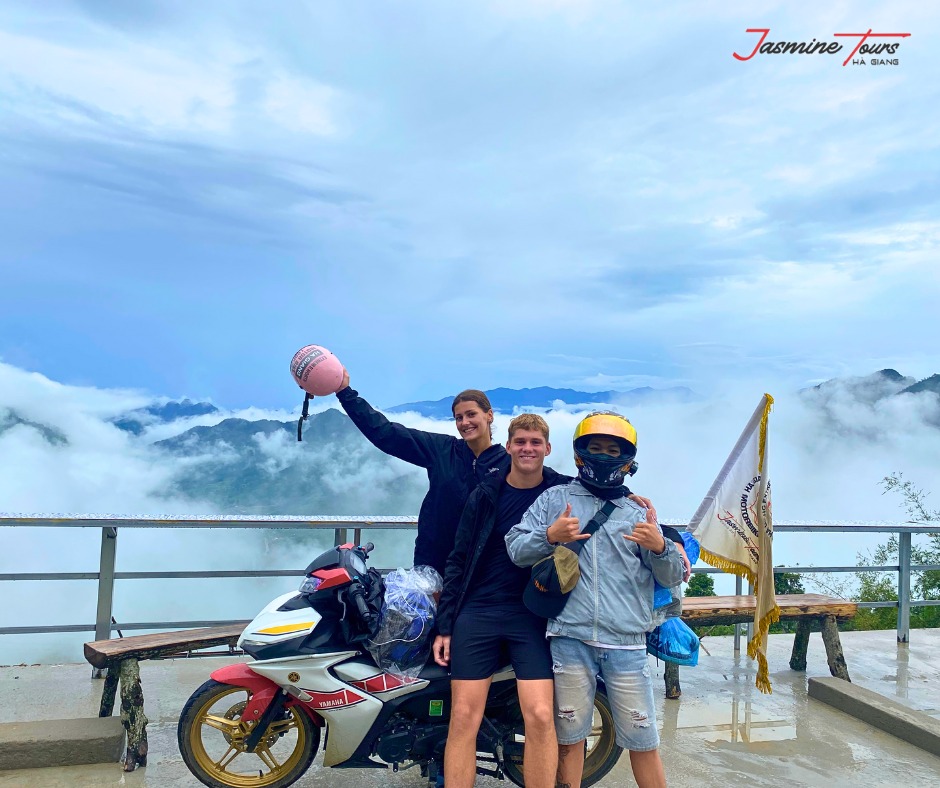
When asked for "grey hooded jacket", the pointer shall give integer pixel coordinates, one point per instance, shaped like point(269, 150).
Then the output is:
point(613, 601)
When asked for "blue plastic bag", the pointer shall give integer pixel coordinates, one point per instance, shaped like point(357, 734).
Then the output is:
point(673, 641)
point(663, 596)
point(692, 547)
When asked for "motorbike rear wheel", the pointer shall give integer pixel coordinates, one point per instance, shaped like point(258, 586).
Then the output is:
point(212, 737)
point(602, 750)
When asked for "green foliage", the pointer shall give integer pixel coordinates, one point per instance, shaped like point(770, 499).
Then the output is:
point(700, 585)
point(925, 550)
point(914, 499)
point(788, 583)
point(704, 585)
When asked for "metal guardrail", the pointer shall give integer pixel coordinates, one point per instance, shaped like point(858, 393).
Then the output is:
point(110, 526)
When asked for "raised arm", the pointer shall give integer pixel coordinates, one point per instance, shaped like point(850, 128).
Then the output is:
point(415, 446)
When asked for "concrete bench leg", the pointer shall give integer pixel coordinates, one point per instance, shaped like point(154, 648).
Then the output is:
point(132, 715)
point(671, 676)
point(830, 635)
point(108, 693)
point(800, 644)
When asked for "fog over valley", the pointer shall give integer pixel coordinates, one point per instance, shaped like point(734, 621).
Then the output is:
point(71, 450)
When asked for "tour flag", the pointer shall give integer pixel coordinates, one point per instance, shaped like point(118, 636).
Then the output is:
point(734, 526)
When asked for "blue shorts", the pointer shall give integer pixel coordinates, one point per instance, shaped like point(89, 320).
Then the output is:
point(625, 672)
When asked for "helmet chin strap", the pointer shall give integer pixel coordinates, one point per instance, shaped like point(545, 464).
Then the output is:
point(604, 493)
point(304, 412)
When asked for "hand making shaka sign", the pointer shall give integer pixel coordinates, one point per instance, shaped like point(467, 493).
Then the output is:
point(565, 529)
point(647, 534)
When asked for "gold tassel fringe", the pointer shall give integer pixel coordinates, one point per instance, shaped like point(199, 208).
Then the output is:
point(753, 649)
point(763, 626)
point(727, 565)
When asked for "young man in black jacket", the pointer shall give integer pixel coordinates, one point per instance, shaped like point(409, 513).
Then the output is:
point(481, 616)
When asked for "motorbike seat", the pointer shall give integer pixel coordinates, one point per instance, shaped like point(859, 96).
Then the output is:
point(432, 672)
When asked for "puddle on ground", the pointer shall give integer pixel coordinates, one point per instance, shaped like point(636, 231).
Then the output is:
point(738, 721)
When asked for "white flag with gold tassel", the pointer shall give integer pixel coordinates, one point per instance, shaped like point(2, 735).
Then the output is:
point(734, 526)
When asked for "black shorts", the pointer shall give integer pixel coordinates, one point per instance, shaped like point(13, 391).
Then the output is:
point(486, 640)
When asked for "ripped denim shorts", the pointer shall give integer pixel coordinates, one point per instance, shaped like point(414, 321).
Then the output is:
point(625, 672)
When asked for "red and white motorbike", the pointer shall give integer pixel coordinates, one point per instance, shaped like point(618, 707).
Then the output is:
point(259, 723)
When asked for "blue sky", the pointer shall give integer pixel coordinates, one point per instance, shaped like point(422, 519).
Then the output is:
point(584, 194)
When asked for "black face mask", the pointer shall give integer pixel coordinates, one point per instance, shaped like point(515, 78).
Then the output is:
point(605, 493)
point(602, 470)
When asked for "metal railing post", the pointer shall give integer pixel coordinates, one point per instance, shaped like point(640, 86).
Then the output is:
point(737, 627)
point(904, 588)
point(339, 536)
point(105, 588)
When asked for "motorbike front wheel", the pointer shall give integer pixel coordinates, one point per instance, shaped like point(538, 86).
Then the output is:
point(212, 737)
point(602, 752)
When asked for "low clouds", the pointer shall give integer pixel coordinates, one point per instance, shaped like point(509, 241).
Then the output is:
point(97, 468)
point(61, 453)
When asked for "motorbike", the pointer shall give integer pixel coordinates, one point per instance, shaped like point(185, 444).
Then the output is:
point(261, 723)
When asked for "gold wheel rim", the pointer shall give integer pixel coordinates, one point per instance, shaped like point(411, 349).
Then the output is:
point(598, 751)
point(265, 766)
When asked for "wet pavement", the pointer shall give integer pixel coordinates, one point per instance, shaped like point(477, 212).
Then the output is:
point(721, 732)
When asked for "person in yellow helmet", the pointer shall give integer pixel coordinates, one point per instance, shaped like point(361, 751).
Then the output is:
point(601, 630)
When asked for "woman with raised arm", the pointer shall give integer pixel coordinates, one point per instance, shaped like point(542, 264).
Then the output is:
point(455, 465)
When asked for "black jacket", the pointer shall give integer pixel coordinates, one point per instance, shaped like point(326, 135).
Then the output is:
point(453, 473)
point(476, 525)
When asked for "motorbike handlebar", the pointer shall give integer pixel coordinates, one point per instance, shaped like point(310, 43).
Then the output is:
point(367, 548)
point(356, 594)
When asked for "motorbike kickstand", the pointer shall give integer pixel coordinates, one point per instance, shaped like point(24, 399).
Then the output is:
point(499, 751)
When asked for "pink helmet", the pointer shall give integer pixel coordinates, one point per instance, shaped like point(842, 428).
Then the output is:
point(316, 370)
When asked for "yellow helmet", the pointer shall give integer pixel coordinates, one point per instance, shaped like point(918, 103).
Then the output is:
point(602, 470)
point(608, 423)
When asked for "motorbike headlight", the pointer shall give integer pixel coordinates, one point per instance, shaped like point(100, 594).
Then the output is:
point(310, 584)
point(357, 564)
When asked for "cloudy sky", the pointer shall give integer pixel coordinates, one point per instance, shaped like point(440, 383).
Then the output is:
point(543, 192)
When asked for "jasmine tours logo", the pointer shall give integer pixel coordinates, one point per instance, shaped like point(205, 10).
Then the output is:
point(871, 48)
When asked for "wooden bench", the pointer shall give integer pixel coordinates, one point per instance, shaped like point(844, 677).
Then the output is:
point(807, 609)
point(121, 657)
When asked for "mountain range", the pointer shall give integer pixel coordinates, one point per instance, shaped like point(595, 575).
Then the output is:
point(245, 465)
point(258, 467)
point(506, 400)
point(884, 383)
point(137, 420)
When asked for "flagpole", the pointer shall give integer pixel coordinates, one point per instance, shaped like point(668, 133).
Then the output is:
point(738, 538)
point(729, 464)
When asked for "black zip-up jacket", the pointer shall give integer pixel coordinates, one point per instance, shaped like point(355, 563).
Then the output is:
point(453, 473)
point(476, 525)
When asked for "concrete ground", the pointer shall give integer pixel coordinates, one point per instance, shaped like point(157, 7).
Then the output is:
point(721, 732)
